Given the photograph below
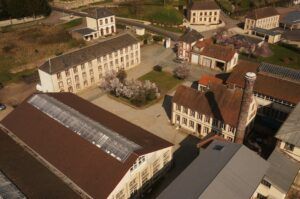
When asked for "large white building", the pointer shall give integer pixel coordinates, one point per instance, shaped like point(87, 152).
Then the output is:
point(83, 68)
point(204, 13)
point(213, 110)
point(100, 22)
point(98, 154)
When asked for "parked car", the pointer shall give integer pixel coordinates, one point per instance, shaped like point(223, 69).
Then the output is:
point(2, 107)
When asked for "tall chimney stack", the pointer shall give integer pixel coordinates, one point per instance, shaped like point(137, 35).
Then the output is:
point(245, 105)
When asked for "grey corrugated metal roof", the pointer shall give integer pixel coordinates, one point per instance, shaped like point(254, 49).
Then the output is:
point(88, 53)
point(265, 31)
point(282, 171)
point(99, 13)
point(234, 172)
point(190, 36)
point(291, 18)
point(290, 130)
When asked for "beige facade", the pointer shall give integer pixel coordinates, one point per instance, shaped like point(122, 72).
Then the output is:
point(204, 17)
point(264, 23)
point(90, 73)
point(290, 149)
point(145, 171)
point(200, 125)
point(266, 189)
point(104, 26)
point(213, 63)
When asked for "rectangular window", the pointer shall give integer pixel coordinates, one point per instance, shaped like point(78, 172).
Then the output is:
point(192, 113)
point(92, 80)
point(185, 110)
point(90, 64)
point(289, 147)
point(84, 75)
point(207, 119)
point(178, 107)
point(266, 183)
point(75, 69)
point(260, 196)
point(166, 158)
point(199, 116)
point(145, 176)
point(156, 166)
point(76, 78)
point(215, 122)
point(77, 86)
point(58, 75)
point(82, 67)
point(60, 84)
point(69, 81)
point(91, 72)
point(184, 121)
point(206, 130)
point(191, 124)
point(67, 73)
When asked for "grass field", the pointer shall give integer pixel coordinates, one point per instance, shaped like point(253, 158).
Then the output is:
point(153, 13)
point(164, 80)
point(282, 56)
point(23, 49)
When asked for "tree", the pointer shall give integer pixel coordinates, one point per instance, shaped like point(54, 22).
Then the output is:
point(24, 8)
point(181, 72)
point(122, 75)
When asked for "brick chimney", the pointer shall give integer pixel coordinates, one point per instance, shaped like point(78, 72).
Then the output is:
point(245, 105)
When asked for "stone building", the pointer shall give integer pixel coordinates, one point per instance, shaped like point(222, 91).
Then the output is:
point(100, 22)
point(215, 110)
point(82, 144)
point(265, 18)
point(204, 13)
point(83, 68)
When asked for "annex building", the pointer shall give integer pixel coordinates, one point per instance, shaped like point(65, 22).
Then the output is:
point(83, 68)
point(95, 152)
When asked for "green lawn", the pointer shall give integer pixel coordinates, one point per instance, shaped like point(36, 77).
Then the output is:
point(164, 80)
point(153, 13)
point(282, 56)
point(72, 23)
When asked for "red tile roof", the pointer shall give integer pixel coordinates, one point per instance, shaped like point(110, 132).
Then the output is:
point(96, 172)
point(209, 79)
point(203, 143)
point(218, 102)
point(224, 53)
point(278, 88)
point(206, 42)
point(261, 13)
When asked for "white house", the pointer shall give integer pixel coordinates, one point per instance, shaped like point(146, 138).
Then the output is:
point(100, 22)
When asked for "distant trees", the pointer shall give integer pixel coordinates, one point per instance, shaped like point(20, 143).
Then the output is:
point(23, 8)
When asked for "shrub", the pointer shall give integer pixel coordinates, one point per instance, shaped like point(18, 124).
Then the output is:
point(122, 75)
point(157, 38)
point(157, 68)
point(181, 72)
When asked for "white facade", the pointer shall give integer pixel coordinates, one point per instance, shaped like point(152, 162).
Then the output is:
point(200, 125)
point(104, 26)
point(184, 50)
point(204, 17)
point(264, 23)
point(290, 149)
point(214, 63)
point(147, 169)
point(266, 189)
point(90, 73)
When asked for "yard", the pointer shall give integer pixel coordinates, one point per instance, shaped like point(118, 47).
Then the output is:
point(22, 49)
point(154, 13)
point(164, 80)
point(281, 56)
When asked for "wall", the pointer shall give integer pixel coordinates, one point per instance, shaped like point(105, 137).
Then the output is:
point(272, 192)
point(136, 174)
point(46, 84)
point(202, 17)
point(295, 153)
point(19, 21)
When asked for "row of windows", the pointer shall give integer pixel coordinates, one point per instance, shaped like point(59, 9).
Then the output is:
point(206, 13)
point(273, 99)
point(105, 21)
point(205, 19)
point(82, 66)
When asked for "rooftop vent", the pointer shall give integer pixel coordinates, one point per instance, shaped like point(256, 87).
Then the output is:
point(218, 147)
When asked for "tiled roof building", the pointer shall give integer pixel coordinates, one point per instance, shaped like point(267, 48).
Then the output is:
point(98, 153)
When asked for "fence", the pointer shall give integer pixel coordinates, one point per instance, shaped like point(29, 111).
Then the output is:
point(19, 21)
